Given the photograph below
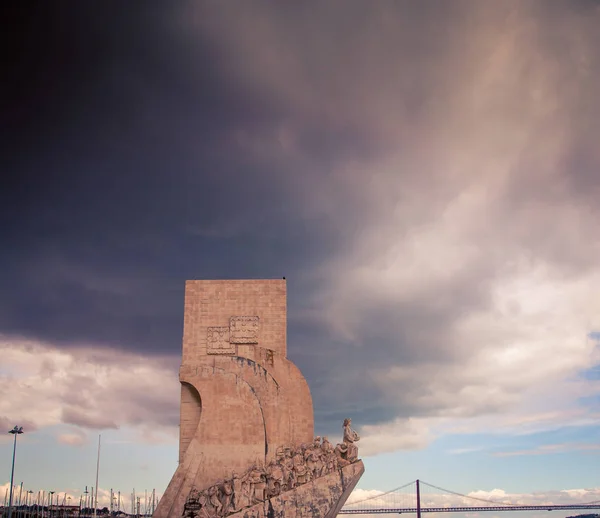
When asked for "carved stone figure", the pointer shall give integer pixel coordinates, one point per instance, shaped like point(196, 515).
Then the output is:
point(288, 469)
point(227, 498)
point(258, 485)
point(328, 456)
point(275, 477)
point(350, 437)
point(341, 450)
point(215, 501)
point(313, 458)
point(246, 490)
point(202, 500)
point(236, 483)
point(301, 471)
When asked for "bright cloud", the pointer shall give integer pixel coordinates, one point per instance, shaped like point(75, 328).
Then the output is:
point(75, 438)
point(89, 389)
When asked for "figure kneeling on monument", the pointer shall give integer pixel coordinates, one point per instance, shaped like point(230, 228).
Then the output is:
point(347, 452)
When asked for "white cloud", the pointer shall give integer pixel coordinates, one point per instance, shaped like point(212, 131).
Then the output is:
point(88, 388)
point(74, 438)
point(520, 371)
point(360, 495)
point(401, 434)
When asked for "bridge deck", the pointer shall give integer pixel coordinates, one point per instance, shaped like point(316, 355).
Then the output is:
point(402, 510)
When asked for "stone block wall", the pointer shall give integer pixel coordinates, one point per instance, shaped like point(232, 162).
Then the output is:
point(213, 303)
point(241, 398)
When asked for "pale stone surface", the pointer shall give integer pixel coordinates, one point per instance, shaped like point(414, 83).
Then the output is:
point(246, 421)
point(321, 498)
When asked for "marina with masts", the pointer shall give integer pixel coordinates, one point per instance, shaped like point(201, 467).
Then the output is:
point(52, 504)
point(20, 502)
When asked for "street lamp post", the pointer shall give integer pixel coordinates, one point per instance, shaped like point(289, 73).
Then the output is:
point(17, 430)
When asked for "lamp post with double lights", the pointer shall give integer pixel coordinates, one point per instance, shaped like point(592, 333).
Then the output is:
point(17, 430)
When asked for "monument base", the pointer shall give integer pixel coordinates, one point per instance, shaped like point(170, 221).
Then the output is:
point(323, 497)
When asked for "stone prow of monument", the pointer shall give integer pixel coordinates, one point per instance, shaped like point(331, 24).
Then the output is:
point(246, 444)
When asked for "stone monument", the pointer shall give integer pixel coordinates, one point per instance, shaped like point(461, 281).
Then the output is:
point(246, 441)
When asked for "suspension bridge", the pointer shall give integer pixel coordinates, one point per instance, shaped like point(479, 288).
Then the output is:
point(420, 497)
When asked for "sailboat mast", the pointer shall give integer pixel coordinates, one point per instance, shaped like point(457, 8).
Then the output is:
point(97, 471)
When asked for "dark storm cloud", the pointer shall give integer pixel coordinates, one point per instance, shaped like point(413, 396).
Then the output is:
point(396, 162)
point(456, 101)
point(125, 179)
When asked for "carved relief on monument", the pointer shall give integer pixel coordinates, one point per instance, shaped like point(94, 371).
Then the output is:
point(291, 468)
point(276, 480)
point(217, 341)
point(314, 458)
point(243, 330)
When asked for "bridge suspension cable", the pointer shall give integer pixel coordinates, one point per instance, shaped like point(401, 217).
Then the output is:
point(415, 501)
point(495, 502)
point(381, 495)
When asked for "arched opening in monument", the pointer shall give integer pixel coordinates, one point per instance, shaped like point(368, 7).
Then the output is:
point(191, 410)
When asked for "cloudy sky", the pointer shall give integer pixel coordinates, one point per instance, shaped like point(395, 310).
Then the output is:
point(425, 174)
